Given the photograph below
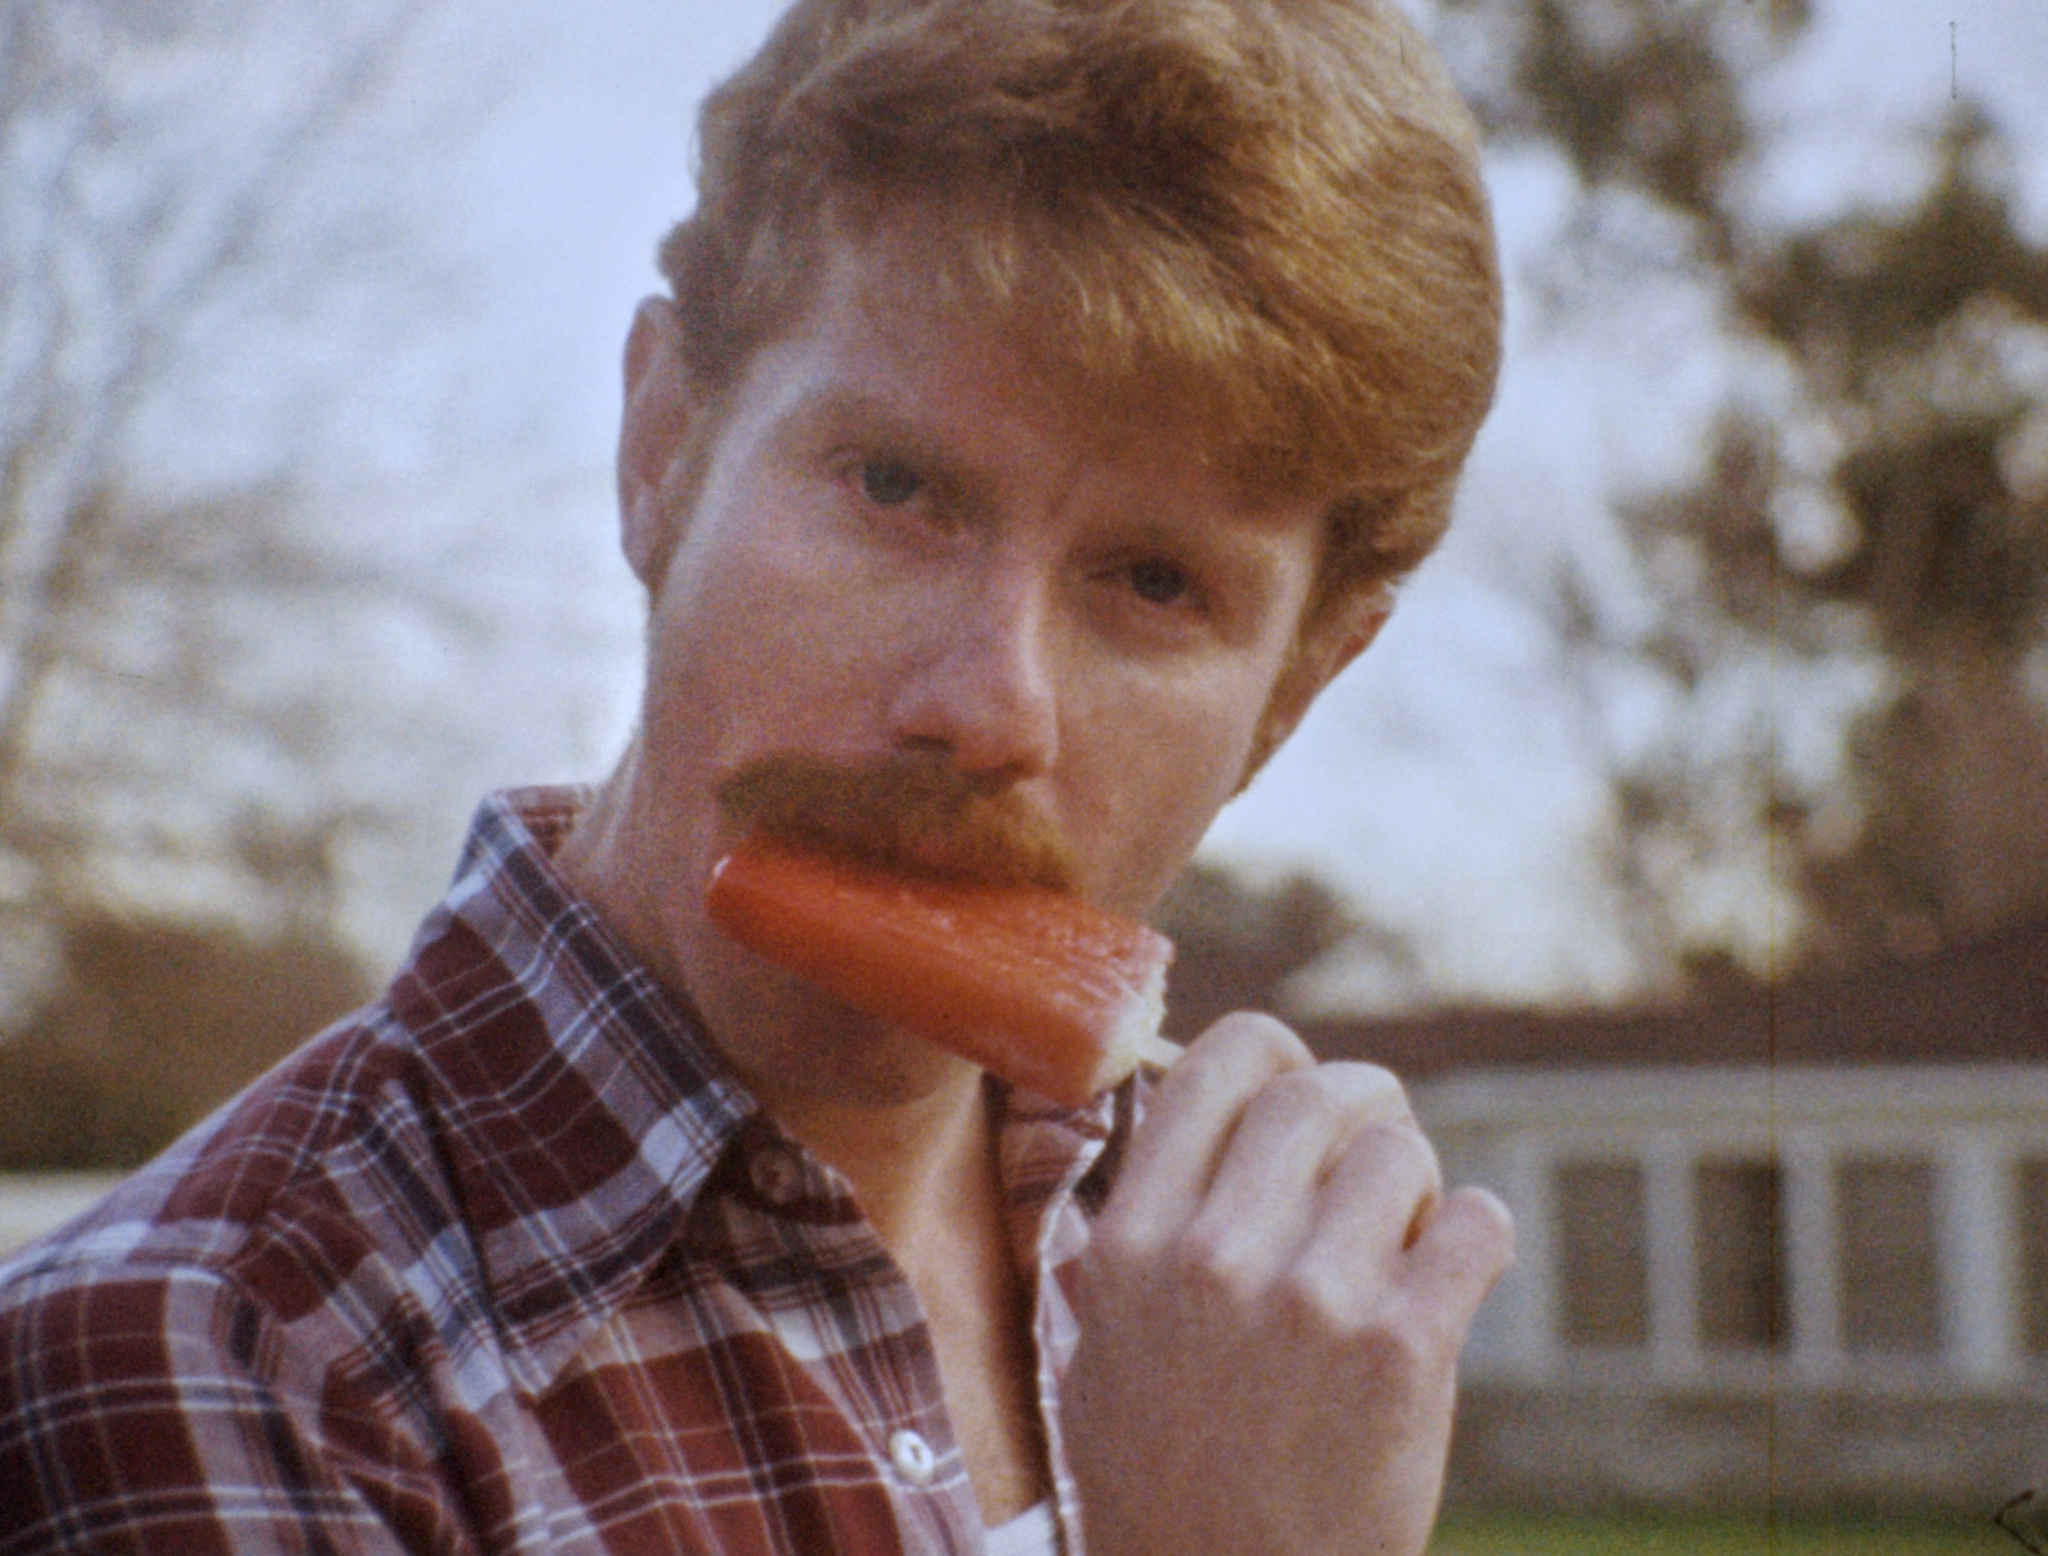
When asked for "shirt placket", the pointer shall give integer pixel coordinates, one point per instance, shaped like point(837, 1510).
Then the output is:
point(864, 1335)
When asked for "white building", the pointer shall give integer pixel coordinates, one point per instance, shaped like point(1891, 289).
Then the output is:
point(1785, 1246)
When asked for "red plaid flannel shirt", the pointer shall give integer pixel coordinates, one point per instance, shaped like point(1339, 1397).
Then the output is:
point(507, 1262)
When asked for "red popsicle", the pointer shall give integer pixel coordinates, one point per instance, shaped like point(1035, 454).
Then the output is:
point(1045, 991)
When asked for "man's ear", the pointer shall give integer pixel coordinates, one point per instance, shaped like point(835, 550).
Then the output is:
point(1323, 651)
point(652, 435)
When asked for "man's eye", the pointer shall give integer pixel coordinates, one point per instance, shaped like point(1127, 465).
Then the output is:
point(1158, 583)
point(889, 483)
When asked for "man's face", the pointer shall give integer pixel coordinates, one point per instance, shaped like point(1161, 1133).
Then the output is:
point(903, 545)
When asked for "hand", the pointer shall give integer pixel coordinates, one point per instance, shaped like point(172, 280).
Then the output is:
point(1272, 1306)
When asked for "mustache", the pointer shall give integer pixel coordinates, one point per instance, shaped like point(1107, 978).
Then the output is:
point(915, 816)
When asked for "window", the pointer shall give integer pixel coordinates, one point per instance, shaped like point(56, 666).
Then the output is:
point(2033, 1209)
point(1738, 1226)
point(1603, 1258)
point(1890, 1270)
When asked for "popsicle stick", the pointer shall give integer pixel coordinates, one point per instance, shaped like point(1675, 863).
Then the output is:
point(1159, 1051)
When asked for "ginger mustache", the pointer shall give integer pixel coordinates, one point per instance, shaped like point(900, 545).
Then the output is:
point(916, 816)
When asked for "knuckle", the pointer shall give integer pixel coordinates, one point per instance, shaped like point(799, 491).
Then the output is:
point(1397, 1356)
point(1493, 1209)
point(1399, 1143)
point(1423, 1149)
point(1297, 1094)
point(1208, 1260)
point(1119, 1254)
point(1312, 1302)
point(1488, 1211)
point(1383, 1334)
point(1489, 1226)
point(1119, 1244)
point(1371, 1087)
point(1342, 1103)
point(1262, 1037)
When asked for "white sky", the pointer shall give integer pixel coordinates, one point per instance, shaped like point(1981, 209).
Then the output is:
point(1449, 785)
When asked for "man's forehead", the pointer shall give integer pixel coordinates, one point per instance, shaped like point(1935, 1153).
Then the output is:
point(899, 332)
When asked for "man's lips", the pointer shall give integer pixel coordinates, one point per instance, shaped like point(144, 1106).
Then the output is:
point(913, 815)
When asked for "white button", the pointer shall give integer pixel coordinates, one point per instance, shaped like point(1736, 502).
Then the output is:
point(775, 1172)
point(913, 1457)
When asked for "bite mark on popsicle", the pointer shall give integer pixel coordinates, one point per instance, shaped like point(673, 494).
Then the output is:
point(1042, 989)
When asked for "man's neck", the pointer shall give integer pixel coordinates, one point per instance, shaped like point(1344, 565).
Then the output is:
point(912, 1134)
point(922, 1169)
point(925, 1174)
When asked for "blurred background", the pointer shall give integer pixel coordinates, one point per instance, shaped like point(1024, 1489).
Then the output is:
point(1685, 836)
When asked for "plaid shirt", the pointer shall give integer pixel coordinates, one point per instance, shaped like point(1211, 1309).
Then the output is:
point(507, 1262)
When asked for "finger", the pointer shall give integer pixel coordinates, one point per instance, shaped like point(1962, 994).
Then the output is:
point(1263, 1197)
point(1386, 1184)
point(1190, 1118)
point(1461, 1255)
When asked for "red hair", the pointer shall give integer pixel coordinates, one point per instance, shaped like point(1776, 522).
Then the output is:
point(1268, 210)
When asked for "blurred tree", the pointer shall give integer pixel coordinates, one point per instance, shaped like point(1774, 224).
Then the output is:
point(1922, 338)
point(202, 231)
point(1639, 94)
point(165, 1021)
point(1236, 946)
point(1891, 510)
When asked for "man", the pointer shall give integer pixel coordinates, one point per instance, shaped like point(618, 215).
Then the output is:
point(1049, 395)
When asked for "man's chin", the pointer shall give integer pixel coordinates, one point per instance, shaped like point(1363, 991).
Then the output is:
point(866, 1063)
point(786, 1037)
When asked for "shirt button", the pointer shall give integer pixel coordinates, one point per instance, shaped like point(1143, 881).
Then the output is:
point(775, 1171)
point(913, 1457)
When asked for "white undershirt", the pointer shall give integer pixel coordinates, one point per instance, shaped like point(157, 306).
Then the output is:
point(1031, 1533)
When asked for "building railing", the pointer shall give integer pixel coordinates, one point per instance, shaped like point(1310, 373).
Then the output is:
point(1738, 1230)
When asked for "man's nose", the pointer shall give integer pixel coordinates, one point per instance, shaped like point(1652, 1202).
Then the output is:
point(982, 690)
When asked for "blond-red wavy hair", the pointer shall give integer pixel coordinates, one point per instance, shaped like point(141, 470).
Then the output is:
point(1269, 210)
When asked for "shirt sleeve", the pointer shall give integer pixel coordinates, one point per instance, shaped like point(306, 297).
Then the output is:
point(139, 1412)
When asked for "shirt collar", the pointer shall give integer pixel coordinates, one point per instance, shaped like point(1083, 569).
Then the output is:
point(567, 1234)
point(582, 1107)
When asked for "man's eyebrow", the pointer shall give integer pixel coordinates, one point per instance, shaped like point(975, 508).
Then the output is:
point(843, 407)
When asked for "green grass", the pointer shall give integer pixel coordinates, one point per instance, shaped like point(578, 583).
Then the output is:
point(1471, 1533)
